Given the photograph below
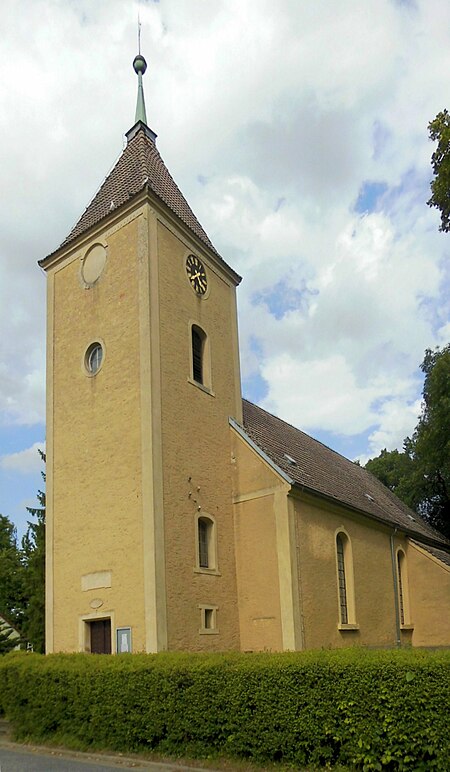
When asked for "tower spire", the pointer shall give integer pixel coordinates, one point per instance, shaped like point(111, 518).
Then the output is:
point(140, 66)
point(140, 119)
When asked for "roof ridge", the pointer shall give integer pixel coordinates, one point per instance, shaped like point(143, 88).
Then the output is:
point(94, 195)
point(141, 151)
point(178, 189)
point(77, 229)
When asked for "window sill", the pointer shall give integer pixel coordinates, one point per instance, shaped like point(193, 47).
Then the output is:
point(407, 627)
point(348, 628)
point(202, 387)
point(210, 571)
point(208, 632)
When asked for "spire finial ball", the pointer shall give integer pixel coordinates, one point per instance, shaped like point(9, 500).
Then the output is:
point(139, 64)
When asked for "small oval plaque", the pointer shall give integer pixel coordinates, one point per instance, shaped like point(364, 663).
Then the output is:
point(96, 603)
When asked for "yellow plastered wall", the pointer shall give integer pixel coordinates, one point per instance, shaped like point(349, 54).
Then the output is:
point(317, 524)
point(195, 446)
point(429, 597)
point(95, 447)
point(264, 571)
point(257, 572)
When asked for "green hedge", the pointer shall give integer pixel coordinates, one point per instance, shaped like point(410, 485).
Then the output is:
point(384, 710)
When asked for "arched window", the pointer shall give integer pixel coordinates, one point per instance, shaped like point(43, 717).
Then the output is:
point(206, 544)
point(346, 595)
point(342, 582)
point(200, 364)
point(204, 538)
point(198, 354)
point(403, 597)
point(400, 557)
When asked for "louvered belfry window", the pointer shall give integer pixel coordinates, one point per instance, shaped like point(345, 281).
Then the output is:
point(197, 355)
point(341, 579)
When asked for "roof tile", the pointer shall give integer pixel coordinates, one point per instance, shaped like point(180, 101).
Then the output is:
point(444, 557)
point(139, 166)
point(318, 468)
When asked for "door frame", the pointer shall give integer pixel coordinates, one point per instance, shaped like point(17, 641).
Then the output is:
point(84, 633)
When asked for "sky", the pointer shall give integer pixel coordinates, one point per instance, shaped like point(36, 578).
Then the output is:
point(298, 133)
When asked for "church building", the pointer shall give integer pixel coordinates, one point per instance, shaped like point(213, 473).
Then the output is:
point(179, 515)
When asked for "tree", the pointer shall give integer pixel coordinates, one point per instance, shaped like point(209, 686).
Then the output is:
point(430, 442)
point(22, 578)
point(395, 470)
point(420, 476)
point(8, 638)
point(12, 593)
point(439, 130)
point(33, 556)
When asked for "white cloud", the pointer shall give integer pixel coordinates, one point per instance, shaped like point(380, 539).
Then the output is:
point(321, 393)
point(317, 393)
point(395, 421)
point(271, 117)
point(444, 335)
point(24, 461)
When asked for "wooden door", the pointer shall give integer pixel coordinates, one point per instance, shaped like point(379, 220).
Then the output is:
point(101, 636)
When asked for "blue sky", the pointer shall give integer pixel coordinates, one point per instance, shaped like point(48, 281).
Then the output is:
point(20, 478)
point(298, 133)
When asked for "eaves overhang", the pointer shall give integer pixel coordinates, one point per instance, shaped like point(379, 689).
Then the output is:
point(243, 434)
point(87, 235)
point(298, 488)
point(439, 557)
point(146, 194)
point(392, 526)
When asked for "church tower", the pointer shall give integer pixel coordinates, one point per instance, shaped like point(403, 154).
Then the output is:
point(142, 378)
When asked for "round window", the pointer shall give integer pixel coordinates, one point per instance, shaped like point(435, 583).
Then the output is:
point(93, 264)
point(94, 357)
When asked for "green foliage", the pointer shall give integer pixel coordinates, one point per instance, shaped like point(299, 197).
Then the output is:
point(22, 576)
point(33, 556)
point(420, 476)
point(11, 574)
point(8, 640)
point(431, 441)
point(366, 710)
point(439, 131)
point(395, 470)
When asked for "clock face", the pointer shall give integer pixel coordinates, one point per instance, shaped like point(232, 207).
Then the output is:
point(196, 274)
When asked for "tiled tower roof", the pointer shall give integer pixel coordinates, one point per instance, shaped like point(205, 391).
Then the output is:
point(140, 166)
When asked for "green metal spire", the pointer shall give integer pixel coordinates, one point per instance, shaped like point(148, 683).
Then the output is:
point(140, 66)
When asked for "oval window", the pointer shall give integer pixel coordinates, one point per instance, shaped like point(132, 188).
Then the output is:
point(94, 358)
point(93, 264)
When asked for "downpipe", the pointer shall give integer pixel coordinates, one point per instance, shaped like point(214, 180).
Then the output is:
point(398, 641)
